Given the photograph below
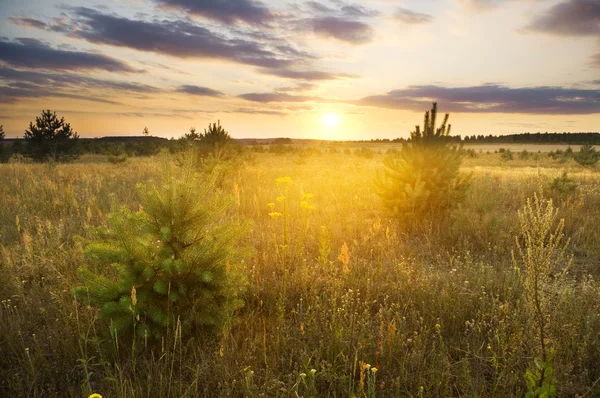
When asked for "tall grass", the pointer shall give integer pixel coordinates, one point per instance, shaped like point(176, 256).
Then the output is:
point(336, 289)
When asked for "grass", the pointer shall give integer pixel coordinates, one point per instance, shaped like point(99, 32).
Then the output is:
point(336, 288)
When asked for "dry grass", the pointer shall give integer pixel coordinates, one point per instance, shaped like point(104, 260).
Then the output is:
point(439, 313)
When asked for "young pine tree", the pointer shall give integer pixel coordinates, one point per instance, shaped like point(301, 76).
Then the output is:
point(171, 259)
point(51, 138)
point(587, 155)
point(422, 180)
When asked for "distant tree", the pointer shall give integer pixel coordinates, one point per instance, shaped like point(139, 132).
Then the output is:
point(51, 138)
point(1, 133)
point(422, 180)
point(587, 155)
point(192, 136)
point(146, 132)
point(282, 141)
point(215, 135)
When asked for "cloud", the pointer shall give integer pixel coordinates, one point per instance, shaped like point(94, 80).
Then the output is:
point(11, 95)
point(342, 29)
point(319, 7)
point(299, 87)
point(484, 5)
point(22, 84)
point(184, 39)
point(277, 97)
point(28, 22)
point(251, 111)
point(569, 18)
point(32, 53)
point(199, 91)
point(59, 81)
point(357, 11)
point(180, 39)
point(307, 74)
point(343, 9)
point(490, 98)
point(411, 17)
point(596, 62)
point(153, 114)
point(226, 11)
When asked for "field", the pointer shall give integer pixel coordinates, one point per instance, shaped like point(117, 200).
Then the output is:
point(340, 299)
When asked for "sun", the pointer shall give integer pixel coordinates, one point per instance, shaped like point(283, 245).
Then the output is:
point(330, 119)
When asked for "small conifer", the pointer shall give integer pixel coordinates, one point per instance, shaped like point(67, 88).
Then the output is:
point(422, 180)
point(175, 253)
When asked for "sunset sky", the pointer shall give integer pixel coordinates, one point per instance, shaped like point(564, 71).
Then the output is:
point(305, 69)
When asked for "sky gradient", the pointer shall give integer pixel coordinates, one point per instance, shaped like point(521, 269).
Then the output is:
point(275, 68)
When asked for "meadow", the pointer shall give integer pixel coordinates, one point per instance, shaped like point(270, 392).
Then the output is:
point(340, 299)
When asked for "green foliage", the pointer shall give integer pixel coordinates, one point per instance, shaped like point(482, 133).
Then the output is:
point(587, 155)
point(423, 179)
point(117, 154)
point(215, 135)
point(506, 154)
point(170, 260)
point(192, 136)
point(51, 138)
point(214, 151)
point(524, 154)
point(540, 380)
point(564, 184)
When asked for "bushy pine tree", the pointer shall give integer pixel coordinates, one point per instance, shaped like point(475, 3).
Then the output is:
point(215, 135)
point(587, 155)
point(215, 151)
point(422, 180)
point(171, 259)
point(51, 138)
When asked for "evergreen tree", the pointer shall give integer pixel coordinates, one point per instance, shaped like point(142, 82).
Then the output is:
point(422, 180)
point(51, 138)
point(1, 133)
point(216, 151)
point(215, 135)
point(173, 259)
point(587, 155)
point(192, 136)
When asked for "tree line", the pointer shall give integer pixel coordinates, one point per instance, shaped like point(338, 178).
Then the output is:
point(52, 138)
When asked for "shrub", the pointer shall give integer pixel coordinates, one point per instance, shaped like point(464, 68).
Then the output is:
point(564, 184)
point(364, 153)
point(117, 154)
point(506, 154)
point(423, 179)
point(524, 154)
point(51, 138)
point(169, 261)
point(587, 155)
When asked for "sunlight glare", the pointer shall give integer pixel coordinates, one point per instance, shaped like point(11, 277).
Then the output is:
point(330, 119)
